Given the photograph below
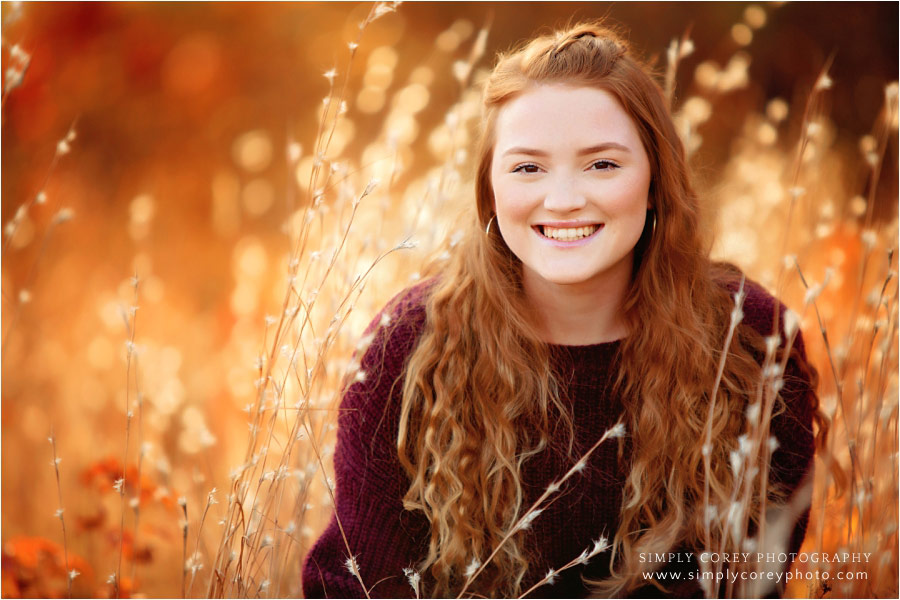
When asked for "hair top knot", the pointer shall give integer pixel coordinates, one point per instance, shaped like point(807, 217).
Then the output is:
point(592, 37)
point(588, 51)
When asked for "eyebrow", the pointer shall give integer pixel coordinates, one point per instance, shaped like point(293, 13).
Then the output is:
point(583, 152)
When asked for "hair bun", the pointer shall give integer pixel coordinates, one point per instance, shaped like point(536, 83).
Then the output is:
point(595, 36)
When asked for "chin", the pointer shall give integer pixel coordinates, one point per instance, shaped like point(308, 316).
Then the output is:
point(563, 279)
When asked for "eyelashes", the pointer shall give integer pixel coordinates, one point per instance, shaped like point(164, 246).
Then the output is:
point(599, 165)
point(526, 168)
point(606, 165)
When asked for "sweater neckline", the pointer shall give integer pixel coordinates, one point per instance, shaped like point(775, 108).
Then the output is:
point(587, 347)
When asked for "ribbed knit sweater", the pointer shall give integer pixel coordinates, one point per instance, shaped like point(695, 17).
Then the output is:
point(370, 482)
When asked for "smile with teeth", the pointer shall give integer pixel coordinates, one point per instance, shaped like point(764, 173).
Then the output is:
point(567, 234)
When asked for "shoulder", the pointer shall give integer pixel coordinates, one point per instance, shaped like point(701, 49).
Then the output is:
point(400, 322)
point(387, 343)
point(371, 395)
point(793, 425)
point(760, 308)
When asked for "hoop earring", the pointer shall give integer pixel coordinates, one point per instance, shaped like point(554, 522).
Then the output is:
point(487, 230)
point(652, 233)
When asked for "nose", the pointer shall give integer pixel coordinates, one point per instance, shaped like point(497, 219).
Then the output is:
point(563, 195)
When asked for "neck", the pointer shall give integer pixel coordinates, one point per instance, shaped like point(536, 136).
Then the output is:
point(579, 314)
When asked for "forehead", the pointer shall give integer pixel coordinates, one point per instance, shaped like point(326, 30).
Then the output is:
point(559, 115)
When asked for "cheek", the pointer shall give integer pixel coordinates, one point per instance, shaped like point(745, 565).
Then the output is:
point(632, 197)
point(511, 202)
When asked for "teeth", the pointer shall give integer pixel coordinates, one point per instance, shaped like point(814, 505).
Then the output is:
point(570, 233)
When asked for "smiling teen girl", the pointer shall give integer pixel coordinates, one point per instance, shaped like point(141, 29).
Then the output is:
point(582, 297)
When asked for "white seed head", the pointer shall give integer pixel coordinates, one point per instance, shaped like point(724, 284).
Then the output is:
point(17, 53)
point(812, 293)
point(791, 323)
point(869, 239)
point(351, 565)
point(581, 464)
point(796, 191)
point(600, 545)
point(294, 151)
point(753, 411)
point(736, 461)
point(824, 82)
point(373, 183)
point(617, 431)
point(413, 577)
point(383, 8)
point(890, 92)
point(472, 567)
point(63, 215)
point(773, 371)
point(772, 343)
point(529, 518)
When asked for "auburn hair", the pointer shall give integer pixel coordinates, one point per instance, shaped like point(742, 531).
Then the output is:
point(480, 395)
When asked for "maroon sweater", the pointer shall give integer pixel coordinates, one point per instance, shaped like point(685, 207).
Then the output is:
point(370, 483)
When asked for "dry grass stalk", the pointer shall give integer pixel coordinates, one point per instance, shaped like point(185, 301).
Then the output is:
point(130, 318)
point(60, 512)
point(523, 522)
point(60, 216)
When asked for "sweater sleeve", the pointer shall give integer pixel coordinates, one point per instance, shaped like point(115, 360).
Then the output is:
point(382, 536)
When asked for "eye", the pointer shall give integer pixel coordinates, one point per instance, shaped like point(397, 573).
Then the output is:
point(603, 165)
point(526, 168)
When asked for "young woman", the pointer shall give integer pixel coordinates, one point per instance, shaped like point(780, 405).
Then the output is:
point(583, 297)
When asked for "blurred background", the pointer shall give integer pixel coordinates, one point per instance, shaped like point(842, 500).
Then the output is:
point(176, 141)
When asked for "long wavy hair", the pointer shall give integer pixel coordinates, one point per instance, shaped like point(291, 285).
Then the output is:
point(480, 395)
